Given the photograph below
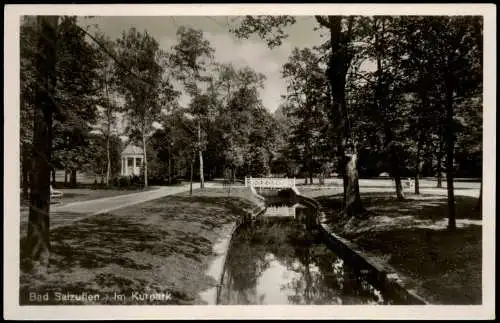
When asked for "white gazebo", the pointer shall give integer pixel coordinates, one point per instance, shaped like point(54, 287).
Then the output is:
point(132, 158)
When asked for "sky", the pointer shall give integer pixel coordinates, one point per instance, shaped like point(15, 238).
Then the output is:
point(252, 52)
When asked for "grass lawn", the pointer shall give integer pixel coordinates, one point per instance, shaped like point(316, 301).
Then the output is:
point(411, 236)
point(161, 246)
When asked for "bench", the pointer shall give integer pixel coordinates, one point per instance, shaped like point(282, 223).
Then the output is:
point(55, 194)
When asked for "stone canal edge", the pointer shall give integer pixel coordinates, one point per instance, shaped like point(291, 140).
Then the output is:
point(387, 276)
point(220, 249)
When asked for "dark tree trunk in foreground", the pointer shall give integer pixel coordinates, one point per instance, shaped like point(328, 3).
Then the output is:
point(450, 146)
point(65, 177)
point(25, 172)
point(37, 243)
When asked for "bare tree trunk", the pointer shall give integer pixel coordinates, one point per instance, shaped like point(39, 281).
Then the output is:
point(352, 198)
point(450, 146)
point(72, 179)
point(37, 243)
point(399, 187)
point(169, 168)
point(202, 181)
point(418, 166)
point(145, 162)
point(65, 177)
point(191, 176)
point(53, 176)
point(439, 160)
point(25, 172)
point(108, 156)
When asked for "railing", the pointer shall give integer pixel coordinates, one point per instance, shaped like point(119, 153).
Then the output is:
point(269, 182)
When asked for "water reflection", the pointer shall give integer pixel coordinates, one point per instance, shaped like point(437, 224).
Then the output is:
point(276, 261)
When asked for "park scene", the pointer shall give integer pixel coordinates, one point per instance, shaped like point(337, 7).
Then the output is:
point(251, 160)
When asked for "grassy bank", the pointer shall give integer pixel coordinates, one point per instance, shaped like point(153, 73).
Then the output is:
point(158, 247)
point(411, 236)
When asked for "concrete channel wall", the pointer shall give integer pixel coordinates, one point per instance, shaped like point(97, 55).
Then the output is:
point(381, 276)
point(220, 249)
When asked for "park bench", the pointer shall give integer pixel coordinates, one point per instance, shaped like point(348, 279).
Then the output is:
point(55, 194)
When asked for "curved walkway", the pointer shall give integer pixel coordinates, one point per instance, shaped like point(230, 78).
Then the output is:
point(61, 215)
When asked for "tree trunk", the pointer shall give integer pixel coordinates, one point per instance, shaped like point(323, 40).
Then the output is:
point(191, 176)
point(53, 176)
point(439, 160)
point(399, 187)
point(450, 146)
point(352, 198)
point(37, 243)
point(418, 166)
point(340, 59)
point(108, 156)
point(145, 161)
point(25, 166)
point(65, 177)
point(72, 179)
point(169, 169)
point(202, 181)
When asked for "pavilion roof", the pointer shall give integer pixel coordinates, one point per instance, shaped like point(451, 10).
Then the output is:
point(132, 150)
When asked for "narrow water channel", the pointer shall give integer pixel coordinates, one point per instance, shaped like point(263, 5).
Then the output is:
point(276, 261)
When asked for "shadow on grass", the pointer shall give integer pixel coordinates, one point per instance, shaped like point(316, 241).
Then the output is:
point(446, 263)
point(443, 266)
point(421, 207)
point(163, 245)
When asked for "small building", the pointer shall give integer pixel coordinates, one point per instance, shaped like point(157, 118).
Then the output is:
point(131, 161)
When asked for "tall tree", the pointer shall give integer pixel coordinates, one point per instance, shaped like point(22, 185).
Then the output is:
point(308, 100)
point(458, 62)
point(76, 93)
point(190, 58)
point(139, 69)
point(109, 107)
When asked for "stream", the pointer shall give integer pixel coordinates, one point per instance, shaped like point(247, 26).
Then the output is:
point(275, 260)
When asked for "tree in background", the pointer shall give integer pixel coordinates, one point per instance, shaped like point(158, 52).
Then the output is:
point(109, 107)
point(76, 94)
point(308, 101)
point(190, 58)
point(146, 89)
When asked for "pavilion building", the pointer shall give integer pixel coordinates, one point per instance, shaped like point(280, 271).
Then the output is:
point(132, 160)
